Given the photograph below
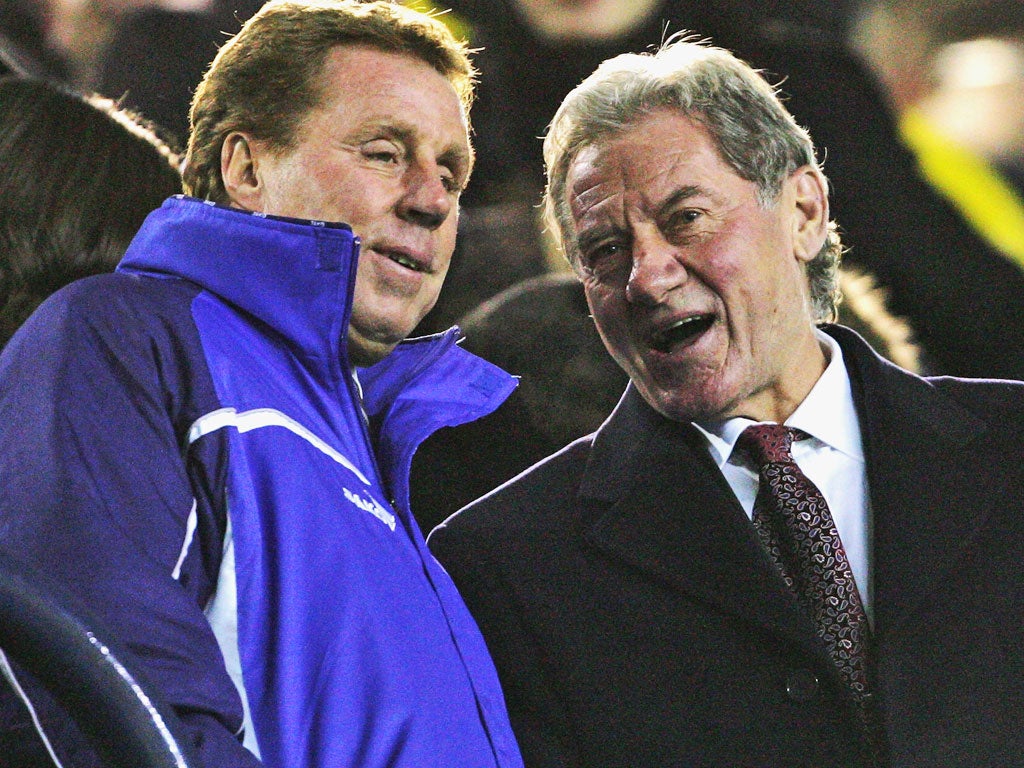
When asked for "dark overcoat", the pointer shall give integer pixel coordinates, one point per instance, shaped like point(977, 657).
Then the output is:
point(636, 621)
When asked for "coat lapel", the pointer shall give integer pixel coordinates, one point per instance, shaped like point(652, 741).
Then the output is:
point(925, 455)
point(657, 501)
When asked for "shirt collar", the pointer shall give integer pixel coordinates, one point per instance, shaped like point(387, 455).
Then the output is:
point(827, 413)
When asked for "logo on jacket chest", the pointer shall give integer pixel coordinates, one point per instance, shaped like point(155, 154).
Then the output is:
point(369, 504)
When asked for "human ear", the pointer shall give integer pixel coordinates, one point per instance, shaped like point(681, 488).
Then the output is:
point(810, 212)
point(238, 168)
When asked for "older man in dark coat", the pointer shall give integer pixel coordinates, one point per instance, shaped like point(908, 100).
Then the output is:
point(780, 549)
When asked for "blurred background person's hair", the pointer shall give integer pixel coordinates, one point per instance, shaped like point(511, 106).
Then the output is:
point(953, 71)
point(149, 55)
point(78, 175)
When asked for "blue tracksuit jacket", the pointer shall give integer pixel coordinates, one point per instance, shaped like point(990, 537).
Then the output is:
point(183, 446)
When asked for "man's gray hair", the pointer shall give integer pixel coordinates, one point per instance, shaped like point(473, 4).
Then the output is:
point(748, 123)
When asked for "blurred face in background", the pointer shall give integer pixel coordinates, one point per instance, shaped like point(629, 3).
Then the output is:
point(579, 20)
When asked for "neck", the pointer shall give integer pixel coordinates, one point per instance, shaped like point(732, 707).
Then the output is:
point(778, 401)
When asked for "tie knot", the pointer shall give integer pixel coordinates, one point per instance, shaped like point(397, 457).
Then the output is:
point(769, 443)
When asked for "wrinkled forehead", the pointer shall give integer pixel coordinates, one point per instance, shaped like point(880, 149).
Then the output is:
point(645, 161)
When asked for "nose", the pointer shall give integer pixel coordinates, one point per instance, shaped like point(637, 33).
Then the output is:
point(426, 200)
point(656, 270)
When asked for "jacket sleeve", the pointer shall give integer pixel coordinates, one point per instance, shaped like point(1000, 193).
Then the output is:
point(97, 392)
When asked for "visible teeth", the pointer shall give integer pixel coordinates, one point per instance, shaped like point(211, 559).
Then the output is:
point(676, 328)
point(405, 261)
point(682, 330)
point(680, 324)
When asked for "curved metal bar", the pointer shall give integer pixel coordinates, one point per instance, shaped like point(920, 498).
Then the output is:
point(79, 662)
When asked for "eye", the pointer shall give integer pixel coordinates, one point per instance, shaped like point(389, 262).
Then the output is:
point(682, 225)
point(684, 217)
point(382, 151)
point(449, 181)
point(605, 258)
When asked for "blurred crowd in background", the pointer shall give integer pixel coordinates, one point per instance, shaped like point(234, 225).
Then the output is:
point(917, 106)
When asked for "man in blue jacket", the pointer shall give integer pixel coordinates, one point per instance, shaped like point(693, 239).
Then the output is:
point(211, 446)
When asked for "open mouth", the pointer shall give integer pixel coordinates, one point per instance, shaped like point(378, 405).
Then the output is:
point(681, 332)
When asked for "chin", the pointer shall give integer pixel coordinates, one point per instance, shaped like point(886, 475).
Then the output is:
point(376, 340)
point(363, 354)
point(684, 403)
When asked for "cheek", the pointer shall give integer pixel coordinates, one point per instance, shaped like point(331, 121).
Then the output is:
point(329, 187)
point(747, 281)
point(611, 318)
point(597, 300)
point(447, 236)
point(333, 190)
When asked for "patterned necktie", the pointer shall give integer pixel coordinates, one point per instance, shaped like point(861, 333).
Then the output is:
point(794, 522)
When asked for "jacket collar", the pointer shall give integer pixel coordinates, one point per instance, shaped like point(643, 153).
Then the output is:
point(295, 276)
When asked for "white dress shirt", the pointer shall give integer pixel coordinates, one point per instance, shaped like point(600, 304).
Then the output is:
point(833, 459)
